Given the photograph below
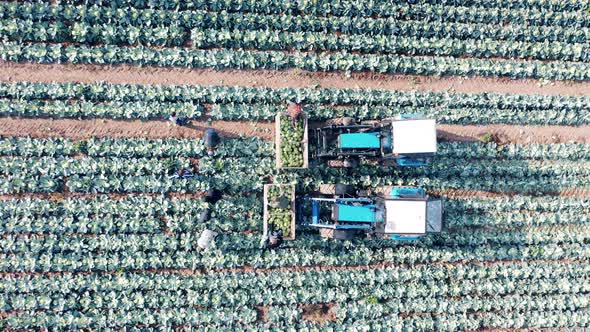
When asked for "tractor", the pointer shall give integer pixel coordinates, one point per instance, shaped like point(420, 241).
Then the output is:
point(408, 140)
point(403, 213)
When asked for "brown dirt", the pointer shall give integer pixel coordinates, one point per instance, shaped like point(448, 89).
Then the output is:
point(505, 134)
point(460, 193)
point(262, 313)
point(319, 312)
point(14, 72)
point(82, 129)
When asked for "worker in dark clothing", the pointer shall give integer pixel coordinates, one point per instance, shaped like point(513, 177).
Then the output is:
point(274, 239)
point(179, 121)
point(182, 174)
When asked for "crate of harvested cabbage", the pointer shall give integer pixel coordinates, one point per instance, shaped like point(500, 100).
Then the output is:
point(291, 142)
point(279, 209)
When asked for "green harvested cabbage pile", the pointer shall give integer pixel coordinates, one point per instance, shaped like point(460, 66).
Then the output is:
point(279, 213)
point(291, 142)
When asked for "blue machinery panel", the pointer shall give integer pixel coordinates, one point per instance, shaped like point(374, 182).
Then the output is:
point(359, 141)
point(409, 162)
point(355, 213)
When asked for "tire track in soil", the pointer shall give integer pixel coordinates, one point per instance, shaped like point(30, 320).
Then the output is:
point(154, 129)
point(125, 74)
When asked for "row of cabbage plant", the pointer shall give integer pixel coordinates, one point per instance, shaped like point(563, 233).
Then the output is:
point(518, 203)
point(235, 176)
point(67, 166)
point(101, 91)
point(133, 214)
point(84, 109)
point(254, 280)
point(255, 147)
point(186, 241)
point(324, 253)
point(492, 219)
point(382, 44)
point(352, 312)
point(191, 320)
point(442, 113)
point(279, 60)
point(232, 182)
point(502, 177)
point(140, 110)
point(436, 322)
point(478, 150)
point(133, 147)
point(499, 319)
point(414, 43)
point(125, 299)
point(534, 11)
point(209, 319)
point(520, 30)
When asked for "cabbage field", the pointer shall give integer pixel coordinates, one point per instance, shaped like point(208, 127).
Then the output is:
point(97, 234)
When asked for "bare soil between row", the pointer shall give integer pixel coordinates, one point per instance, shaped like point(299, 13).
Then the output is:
point(154, 129)
point(294, 78)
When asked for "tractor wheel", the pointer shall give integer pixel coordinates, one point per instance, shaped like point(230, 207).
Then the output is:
point(343, 189)
point(345, 121)
point(337, 234)
point(351, 163)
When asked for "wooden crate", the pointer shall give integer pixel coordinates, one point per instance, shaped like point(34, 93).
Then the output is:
point(278, 161)
point(266, 210)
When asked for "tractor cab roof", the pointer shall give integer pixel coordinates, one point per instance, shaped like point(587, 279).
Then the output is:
point(405, 216)
point(414, 136)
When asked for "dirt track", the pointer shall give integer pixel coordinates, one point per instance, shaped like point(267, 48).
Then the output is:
point(12, 72)
point(82, 129)
point(505, 134)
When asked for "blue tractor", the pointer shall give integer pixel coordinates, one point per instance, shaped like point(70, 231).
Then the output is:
point(404, 213)
point(408, 140)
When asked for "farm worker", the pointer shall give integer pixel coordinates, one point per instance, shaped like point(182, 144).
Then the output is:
point(294, 111)
point(275, 239)
point(182, 174)
point(185, 174)
point(177, 120)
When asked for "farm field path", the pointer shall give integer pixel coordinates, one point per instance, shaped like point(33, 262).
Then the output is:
point(25, 72)
point(80, 129)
